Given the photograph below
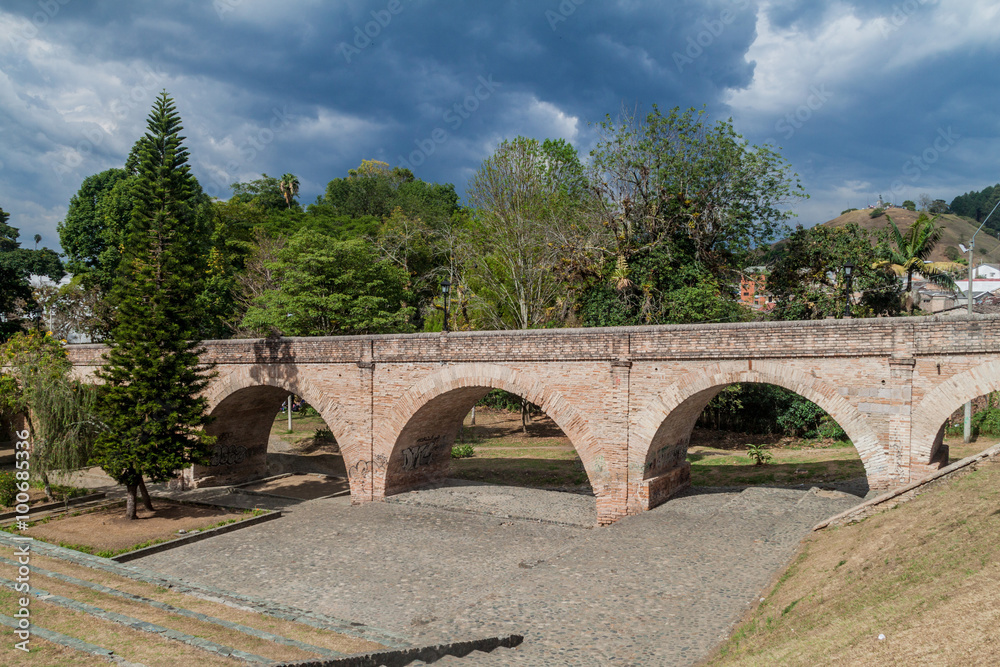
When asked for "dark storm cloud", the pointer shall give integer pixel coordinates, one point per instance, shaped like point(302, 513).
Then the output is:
point(314, 87)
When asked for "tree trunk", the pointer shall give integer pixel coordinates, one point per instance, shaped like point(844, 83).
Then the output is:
point(473, 416)
point(47, 485)
point(525, 415)
point(147, 503)
point(130, 501)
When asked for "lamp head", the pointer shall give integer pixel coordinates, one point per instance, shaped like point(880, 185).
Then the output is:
point(848, 269)
point(445, 286)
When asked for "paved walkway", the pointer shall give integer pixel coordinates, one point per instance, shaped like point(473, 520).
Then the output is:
point(661, 588)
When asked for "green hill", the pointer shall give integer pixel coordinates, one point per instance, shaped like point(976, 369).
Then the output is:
point(957, 230)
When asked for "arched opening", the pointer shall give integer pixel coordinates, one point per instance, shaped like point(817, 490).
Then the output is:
point(664, 432)
point(937, 435)
point(764, 434)
point(431, 418)
point(507, 440)
point(253, 444)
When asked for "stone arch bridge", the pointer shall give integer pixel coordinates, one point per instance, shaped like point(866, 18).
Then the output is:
point(626, 397)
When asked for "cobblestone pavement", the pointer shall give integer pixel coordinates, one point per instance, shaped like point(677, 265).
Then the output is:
point(661, 588)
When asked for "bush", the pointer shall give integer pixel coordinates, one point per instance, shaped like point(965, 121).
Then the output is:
point(986, 422)
point(462, 452)
point(877, 213)
point(8, 488)
point(324, 434)
point(800, 417)
point(828, 428)
point(847, 210)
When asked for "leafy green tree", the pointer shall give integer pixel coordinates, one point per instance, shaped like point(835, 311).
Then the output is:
point(687, 203)
point(807, 278)
point(510, 255)
point(910, 205)
point(150, 398)
point(977, 205)
point(375, 190)
point(16, 265)
point(36, 382)
point(265, 193)
point(327, 287)
point(92, 233)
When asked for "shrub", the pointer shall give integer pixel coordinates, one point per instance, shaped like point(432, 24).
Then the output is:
point(324, 434)
point(877, 213)
point(8, 488)
point(462, 451)
point(759, 455)
point(828, 428)
point(986, 422)
point(847, 210)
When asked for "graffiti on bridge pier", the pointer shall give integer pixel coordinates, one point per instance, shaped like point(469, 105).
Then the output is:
point(364, 468)
point(228, 455)
point(421, 453)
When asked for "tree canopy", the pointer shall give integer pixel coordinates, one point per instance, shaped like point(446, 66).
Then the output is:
point(149, 400)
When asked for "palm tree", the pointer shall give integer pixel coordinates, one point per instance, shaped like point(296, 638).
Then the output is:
point(289, 188)
point(38, 237)
point(910, 255)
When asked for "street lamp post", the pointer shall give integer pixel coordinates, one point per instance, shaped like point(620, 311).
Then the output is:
point(445, 288)
point(848, 270)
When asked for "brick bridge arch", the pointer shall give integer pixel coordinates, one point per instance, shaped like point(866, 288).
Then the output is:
point(938, 404)
point(420, 428)
point(627, 397)
point(243, 402)
point(658, 446)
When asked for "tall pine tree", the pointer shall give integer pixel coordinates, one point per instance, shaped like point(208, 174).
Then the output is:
point(152, 380)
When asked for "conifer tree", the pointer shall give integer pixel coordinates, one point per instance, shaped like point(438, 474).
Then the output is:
point(150, 401)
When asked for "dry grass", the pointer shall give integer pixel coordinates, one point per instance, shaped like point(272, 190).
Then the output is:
point(304, 633)
point(924, 575)
point(46, 654)
point(135, 646)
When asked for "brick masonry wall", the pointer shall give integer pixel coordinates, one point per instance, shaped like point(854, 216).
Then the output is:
point(626, 397)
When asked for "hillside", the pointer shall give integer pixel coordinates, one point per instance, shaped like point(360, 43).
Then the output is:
point(957, 230)
point(923, 576)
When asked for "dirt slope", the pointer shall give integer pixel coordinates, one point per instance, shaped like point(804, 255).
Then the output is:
point(924, 576)
point(957, 230)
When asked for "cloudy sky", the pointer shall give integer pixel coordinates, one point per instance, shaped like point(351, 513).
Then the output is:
point(865, 97)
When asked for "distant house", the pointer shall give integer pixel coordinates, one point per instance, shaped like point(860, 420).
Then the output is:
point(987, 271)
point(753, 287)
